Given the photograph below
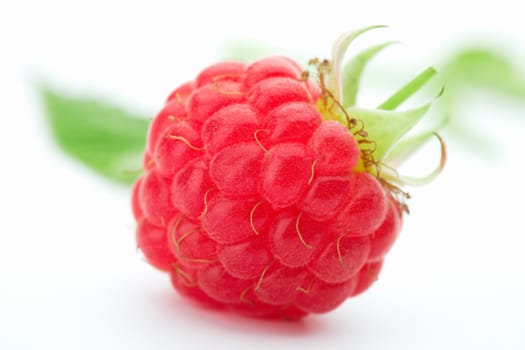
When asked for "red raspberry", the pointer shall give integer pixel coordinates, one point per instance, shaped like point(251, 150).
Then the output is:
point(251, 199)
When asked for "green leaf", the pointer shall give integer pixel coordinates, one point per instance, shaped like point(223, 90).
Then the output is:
point(408, 90)
point(246, 51)
point(354, 69)
point(486, 68)
point(471, 70)
point(249, 51)
point(386, 128)
point(102, 136)
point(474, 139)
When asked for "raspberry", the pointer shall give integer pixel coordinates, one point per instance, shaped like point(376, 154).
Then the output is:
point(255, 198)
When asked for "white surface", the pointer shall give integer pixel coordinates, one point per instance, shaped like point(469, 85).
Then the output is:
point(70, 275)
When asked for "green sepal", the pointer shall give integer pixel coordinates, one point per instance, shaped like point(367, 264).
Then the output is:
point(354, 69)
point(386, 128)
point(338, 52)
point(404, 150)
point(408, 90)
point(408, 146)
point(104, 137)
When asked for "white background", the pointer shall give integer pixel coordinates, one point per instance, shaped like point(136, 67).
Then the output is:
point(70, 277)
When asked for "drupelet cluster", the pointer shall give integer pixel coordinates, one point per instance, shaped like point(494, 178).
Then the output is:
point(252, 201)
